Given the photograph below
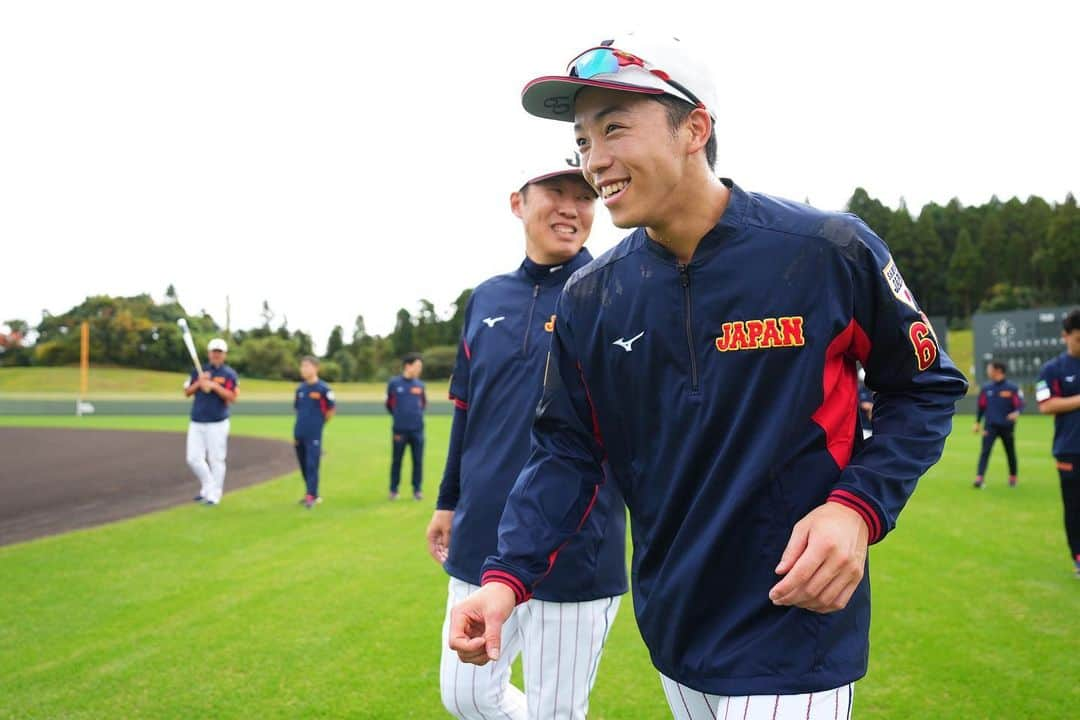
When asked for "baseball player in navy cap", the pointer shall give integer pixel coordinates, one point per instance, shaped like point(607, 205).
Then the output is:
point(214, 390)
point(496, 385)
point(706, 366)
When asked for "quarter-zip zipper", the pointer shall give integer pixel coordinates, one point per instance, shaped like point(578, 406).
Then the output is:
point(684, 280)
point(528, 323)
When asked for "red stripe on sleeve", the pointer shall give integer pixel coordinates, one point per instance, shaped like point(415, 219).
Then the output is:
point(499, 576)
point(468, 352)
point(856, 503)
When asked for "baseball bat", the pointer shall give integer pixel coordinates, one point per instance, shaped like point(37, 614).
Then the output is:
point(189, 342)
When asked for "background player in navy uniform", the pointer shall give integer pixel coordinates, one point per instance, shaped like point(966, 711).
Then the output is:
point(406, 400)
point(214, 389)
point(314, 405)
point(495, 387)
point(1058, 394)
point(707, 366)
point(1000, 402)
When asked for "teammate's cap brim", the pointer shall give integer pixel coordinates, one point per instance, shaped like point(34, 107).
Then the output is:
point(548, 176)
point(552, 96)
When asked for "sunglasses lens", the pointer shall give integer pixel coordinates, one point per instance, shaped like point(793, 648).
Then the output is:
point(595, 62)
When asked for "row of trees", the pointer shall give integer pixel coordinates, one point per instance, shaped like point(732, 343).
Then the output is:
point(998, 256)
point(139, 332)
point(956, 259)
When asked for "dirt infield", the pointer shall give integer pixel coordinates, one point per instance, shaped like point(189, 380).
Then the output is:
point(55, 480)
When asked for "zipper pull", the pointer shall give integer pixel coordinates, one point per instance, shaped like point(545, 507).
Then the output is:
point(684, 274)
point(536, 291)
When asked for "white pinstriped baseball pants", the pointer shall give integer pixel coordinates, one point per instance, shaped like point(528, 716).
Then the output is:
point(560, 646)
point(687, 704)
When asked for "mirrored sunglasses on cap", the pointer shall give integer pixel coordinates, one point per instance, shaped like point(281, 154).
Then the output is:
point(609, 61)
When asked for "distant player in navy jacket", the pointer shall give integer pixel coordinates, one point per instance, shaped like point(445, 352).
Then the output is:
point(406, 400)
point(314, 405)
point(1000, 402)
point(706, 365)
point(1058, 394)
point(496, 386)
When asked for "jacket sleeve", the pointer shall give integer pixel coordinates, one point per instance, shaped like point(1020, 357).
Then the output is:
point(557, 488)
point(459, 379)
point(916, 387)
point(981, 406)
point(450, 487)
point(391, 401)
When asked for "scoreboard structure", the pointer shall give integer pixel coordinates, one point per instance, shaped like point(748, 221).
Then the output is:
point(1022, 339)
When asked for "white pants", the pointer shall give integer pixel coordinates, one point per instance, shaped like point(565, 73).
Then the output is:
point(687, 704)
point(561, 645)
point(207, 444)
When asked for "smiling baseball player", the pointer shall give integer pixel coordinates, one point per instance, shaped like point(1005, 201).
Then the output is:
point(729, 424)
point(213, 390)
point(496, 385)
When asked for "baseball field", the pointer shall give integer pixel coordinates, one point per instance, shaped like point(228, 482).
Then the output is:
point(259, 608)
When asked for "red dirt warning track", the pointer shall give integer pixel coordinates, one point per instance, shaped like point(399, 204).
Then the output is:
point(54, 480)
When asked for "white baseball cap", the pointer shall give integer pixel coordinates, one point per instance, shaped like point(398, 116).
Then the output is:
point(218, 344)
point(633, 62)
point(547, 151)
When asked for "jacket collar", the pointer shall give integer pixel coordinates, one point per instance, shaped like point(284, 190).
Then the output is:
point(554, 274)
point(727, 228)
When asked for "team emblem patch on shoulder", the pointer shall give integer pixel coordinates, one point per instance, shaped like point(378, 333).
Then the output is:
point(898, 286)
point(783, 332)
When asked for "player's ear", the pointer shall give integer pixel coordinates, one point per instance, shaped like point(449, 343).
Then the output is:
point(700, 127)
point(517, 202)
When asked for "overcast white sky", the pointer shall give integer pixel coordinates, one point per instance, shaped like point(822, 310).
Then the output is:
point(341, 158)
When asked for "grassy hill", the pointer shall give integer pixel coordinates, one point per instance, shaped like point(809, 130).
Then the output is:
point(110, 382)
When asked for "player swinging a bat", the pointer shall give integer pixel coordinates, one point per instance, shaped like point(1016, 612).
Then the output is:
point(213, 387)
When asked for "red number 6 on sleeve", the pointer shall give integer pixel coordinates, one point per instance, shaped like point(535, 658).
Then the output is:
point(923, 341)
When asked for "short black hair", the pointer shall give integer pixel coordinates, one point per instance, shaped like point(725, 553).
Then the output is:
point(410, 358)
point(998, 365)
point(311, 359)
point(678, 110)
point(1072, 320)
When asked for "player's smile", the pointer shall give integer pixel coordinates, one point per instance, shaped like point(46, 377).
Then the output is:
point(564, 228)
point(611, 191)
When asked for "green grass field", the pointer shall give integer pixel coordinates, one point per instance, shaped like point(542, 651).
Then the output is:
point(259, 608)
point(115, 382)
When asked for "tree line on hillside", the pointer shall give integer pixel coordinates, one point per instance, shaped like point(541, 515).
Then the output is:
point(141, 333)
point(956, 259)
point(993, 257)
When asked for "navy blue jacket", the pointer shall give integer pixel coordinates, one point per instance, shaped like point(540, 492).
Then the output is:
point(498, 380)
point(1061, 378)
point(722, 396)
point(209, 407)
point(997, 400)
point(311, 403)
point(406, 400)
